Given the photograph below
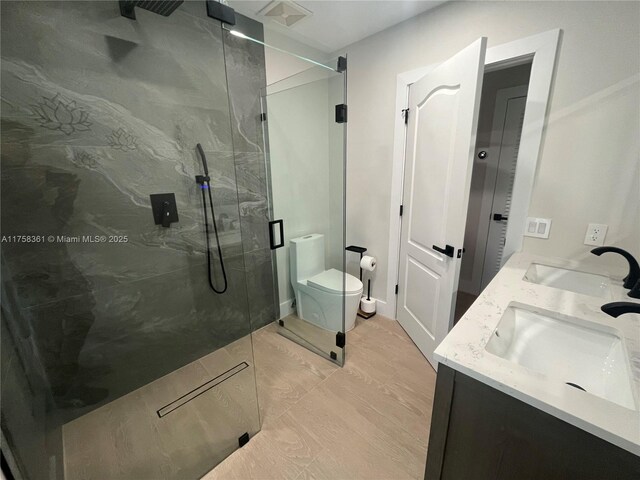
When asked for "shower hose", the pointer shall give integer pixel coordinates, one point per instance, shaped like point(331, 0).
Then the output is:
point(205, 184)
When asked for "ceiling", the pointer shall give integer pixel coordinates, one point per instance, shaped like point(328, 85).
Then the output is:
point(336, 24)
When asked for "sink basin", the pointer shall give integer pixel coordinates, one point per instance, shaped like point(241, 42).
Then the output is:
point(572, 280)
point(590, 359)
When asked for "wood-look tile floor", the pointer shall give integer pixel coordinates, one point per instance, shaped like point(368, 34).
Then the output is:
point(368, 420)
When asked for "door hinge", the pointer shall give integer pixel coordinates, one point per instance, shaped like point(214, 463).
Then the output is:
point(405, 115)
point(341, 113)
point(401, 209)
point(263, 117)
point(396, 288)
point(340, 340)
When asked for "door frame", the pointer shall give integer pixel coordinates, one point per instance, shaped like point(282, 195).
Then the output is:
point(541, 50)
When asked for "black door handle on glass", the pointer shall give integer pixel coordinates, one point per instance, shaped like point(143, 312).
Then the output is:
point(498, 217)
point(447, 250)
point(272, 243)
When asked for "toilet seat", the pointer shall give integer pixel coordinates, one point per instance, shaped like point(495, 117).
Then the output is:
point(331, 281)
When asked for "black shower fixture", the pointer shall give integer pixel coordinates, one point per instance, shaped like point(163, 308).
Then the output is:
point(222, 12)
point(164, 208)
point(215, 9)
point(204, 181)
point(161, 7)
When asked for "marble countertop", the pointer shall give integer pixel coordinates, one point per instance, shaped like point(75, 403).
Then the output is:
point(464, 350)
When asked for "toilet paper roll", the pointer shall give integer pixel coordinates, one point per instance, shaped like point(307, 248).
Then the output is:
point(368, 263)
point(367, 306)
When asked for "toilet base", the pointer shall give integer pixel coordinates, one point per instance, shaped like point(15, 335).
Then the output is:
point(325, 309)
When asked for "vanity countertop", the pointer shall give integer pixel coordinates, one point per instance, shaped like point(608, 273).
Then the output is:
point(464, 350)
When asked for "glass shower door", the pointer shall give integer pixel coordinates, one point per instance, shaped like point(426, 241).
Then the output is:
point(306, 145)
point(118, 359)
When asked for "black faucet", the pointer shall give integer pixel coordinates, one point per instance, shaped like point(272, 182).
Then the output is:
point(630, 280)
point(615, 309)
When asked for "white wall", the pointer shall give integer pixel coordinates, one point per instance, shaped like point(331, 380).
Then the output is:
point(589, 169)
point(280, 65)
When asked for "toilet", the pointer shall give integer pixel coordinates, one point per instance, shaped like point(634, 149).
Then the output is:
point(319, 293)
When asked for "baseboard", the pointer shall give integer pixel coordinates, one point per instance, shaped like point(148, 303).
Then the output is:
point(385, 309)
point(286, 308)
point(382, 307)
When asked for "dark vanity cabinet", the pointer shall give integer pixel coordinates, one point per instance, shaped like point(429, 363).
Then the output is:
point(480, 433)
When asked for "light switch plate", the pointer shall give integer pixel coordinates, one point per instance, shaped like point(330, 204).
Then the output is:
point(596, 232)
point(537, 227)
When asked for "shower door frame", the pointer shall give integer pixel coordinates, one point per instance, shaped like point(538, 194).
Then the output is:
point(341, 68)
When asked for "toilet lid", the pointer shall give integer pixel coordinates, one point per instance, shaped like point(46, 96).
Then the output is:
point(331, 281)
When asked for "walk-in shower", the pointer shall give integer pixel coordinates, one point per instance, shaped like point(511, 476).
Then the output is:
point(118, 360)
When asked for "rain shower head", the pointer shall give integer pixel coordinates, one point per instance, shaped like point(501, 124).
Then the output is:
point(161, 7)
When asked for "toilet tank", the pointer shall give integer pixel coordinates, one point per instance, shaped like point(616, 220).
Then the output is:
point(306, 257)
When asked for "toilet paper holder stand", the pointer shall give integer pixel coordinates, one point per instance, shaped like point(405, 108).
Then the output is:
point(356, 249)
point(361, 251)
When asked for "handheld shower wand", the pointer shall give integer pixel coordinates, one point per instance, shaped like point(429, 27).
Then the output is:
point(205, 184)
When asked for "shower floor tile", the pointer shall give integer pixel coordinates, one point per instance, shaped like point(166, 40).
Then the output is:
point(132, 439)
point(367, 420)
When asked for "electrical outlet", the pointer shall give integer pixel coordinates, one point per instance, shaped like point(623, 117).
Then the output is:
point(595, 234)
point(537, 227)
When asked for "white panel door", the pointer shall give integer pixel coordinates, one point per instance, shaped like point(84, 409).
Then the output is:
point(443, 117)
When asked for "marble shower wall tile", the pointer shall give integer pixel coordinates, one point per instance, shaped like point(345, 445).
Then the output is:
point(103, 344)
point(70, 191)
point(247, 79)
point(260, 288)
point(103, 80)
point(246, 73)
point(24, 407)
point(103, 113)
point(254, 202)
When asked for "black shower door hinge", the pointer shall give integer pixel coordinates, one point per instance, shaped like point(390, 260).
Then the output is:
point(221, 12)
point(342, 64)
point(263, 117)
point(340, 340)
point(401, 209)
point(243, 439)
point(341, 113)
point(396, 288)
point(405, 115)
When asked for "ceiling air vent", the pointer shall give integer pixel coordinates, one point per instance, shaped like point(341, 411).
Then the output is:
point(285, 13)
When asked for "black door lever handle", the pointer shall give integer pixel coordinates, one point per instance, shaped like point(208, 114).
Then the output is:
point(498, 217)
point(447, 250)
